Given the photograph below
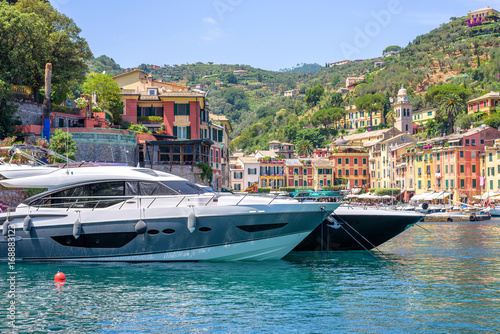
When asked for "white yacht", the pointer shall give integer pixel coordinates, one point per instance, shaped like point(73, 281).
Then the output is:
point(118, 213)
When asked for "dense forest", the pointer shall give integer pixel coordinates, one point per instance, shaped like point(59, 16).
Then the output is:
point(459, 58)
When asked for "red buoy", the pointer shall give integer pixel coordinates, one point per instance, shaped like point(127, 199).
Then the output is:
point(59, 277)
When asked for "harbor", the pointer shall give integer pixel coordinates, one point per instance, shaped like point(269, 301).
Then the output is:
point(442, 280)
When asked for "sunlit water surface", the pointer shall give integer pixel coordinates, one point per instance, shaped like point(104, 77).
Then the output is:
point(444, 280)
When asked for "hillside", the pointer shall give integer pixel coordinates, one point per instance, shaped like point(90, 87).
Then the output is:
point(451, 53)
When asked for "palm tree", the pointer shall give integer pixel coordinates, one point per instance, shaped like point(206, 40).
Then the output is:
point(452, 106)
point(390, 117)
point(305, 148)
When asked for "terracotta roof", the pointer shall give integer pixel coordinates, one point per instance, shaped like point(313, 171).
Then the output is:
point(322, 162)
point(368, 134)
point(134, 70)
point(486, 96)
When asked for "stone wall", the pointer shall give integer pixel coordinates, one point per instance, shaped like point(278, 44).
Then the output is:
point(29, 113)
point(12, 197)
point(191, 173)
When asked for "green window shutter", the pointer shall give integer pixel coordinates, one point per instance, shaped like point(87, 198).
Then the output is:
point(187, 108)
point(188, 132)
point(175, 109)
point(175, 131)
point(138, 111)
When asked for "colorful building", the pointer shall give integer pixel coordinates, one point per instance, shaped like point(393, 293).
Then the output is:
point(403, 108)
point(482, 13)
point(355, 119)
point(324, 175)
point(299, 174)
point(484, 103)
point(154, 103)
point(421, 117)
point(490, 168)
point(457, 162)
point(350, 163)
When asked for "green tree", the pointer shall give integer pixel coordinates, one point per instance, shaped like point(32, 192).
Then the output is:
point(313, 95)
point(493, 120)
point(323, 117)
point(336, 99)
point(451, 106)
point(6, 111)
point(63, 47)
point(437, 94)
point(390, 118)
point(106, 89)
point(370, 103)
point(62, 142)
point(305, 148)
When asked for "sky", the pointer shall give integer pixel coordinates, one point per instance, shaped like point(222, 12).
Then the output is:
point(267, 34)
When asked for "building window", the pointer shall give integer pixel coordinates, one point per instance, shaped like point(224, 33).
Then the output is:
point(152, 91)
point(181, 109)
point(347, 161)
point(252, 171)
point(446, 169)
point(305, 171)
point(473, 154)
point(467, 142)
point(491, 184)
point(364, 161)
point(364, 172)
point(446, 183)
point(182, 132)
point(238, 175)
point(355, 161)
point(339, 161)
point(490, 156)
point(419, 184)
point(473, 168)
point(462, 169)
point(340, 172)
point(462, 183)
point(452, 184)
point(474, 183)
point(328, 182)
point(296, 171)
point(237, 187)
point(355, 172)
point(347, 172)
point(461, 154)
point(473, 142)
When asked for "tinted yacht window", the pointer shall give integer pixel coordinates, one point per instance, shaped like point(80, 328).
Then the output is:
point(184, 187)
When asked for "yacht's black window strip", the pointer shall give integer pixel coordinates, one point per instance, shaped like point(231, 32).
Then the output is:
point(261, 227)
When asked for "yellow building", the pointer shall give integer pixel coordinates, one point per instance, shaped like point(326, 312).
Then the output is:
point(490, 168)
point(384, 161)
point(424, 171)
point(355, 119)
point(482, 13)
point(484, 103)
point(368, 137)
point(323, 173)
point(422, 116)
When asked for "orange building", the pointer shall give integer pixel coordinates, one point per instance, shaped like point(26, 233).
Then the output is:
point(350, 162)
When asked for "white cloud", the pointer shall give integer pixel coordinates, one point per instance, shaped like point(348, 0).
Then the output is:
point(209, 20)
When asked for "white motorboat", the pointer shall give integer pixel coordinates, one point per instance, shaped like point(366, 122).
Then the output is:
point(137, 214)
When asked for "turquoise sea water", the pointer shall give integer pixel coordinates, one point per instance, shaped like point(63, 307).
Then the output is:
point(445, 281)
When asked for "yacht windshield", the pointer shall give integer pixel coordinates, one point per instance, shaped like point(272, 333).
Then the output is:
point(184, 187)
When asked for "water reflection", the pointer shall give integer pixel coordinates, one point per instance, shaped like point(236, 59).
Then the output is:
point(443, 281)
